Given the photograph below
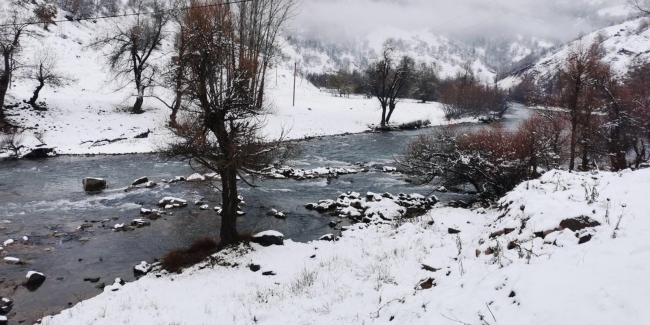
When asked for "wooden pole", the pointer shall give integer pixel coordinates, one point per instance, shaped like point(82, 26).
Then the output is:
point(295, 69)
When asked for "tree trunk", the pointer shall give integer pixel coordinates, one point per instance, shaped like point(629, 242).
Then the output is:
point(585, 158)
point(137, 107)
point(175, 109)
point(391, 109)
point(4, 86)
point(32, 101)
point(230, 203)
point(383, 116)
point(572, 150)
point(617, 151)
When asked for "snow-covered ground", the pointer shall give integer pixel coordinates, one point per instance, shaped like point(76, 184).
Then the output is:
point(517, 264)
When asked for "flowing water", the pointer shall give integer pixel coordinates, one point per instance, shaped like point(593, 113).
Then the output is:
point(44, 201)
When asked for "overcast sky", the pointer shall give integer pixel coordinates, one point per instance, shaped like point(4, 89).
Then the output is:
point(557, 19)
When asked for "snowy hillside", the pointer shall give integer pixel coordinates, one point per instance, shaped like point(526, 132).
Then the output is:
point(319, 54)
point(91, 114)
point(622, 43)
point(568, 248)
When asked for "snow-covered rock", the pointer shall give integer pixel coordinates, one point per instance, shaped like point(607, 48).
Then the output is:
point(195, 178)
point(140, 181)
point(172, 202)
point(34, 279)
point(12, 260)
point(142, 268)
point(268, 238)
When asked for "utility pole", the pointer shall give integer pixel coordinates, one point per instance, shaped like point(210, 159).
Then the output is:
point(295, 69)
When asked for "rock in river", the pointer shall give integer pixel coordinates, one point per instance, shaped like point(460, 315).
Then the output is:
point(92, 184)
point(140, 181)
point(34, 279)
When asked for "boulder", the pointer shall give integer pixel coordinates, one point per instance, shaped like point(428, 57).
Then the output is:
point(140, 181)
point(92, 184)
point(150, 184)
point(427, 284)
point(453, 231)
point(280, 215)
point(141, 269)
point(578, 223)
point(34, 279)
point(268, 238)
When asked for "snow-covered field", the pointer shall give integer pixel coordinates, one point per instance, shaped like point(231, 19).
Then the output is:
point(518, 264)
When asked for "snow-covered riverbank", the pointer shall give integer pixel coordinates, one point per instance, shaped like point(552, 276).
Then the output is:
point(520, 264)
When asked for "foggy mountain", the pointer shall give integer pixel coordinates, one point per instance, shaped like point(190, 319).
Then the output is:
point(494, 35)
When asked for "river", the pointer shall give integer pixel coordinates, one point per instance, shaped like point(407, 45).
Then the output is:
point(44, 200)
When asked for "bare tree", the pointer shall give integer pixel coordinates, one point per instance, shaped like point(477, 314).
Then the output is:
point(637, 84)
point(44, 71)
point(387, 80)
point(426, 82)
point(132, 45)
point(576, 79)
point(10, 37)
point(642, 7)
point(229, 47)
point(12, 142)
point(46, 12)
point(172, 75)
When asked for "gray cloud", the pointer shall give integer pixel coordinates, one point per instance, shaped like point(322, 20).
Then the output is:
point(554, 19)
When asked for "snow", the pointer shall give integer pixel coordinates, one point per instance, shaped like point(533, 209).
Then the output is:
point(373, 274)
point(30, 273)
point(272, 233)
point(195, 178)
point(8, 242)
point(172, 200)
point(11, 259)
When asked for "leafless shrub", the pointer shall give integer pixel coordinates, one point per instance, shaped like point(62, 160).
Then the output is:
point(305, 279)
point(12, 143)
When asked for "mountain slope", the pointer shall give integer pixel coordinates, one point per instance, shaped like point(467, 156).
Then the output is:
point(621, 43)
point(323, 53)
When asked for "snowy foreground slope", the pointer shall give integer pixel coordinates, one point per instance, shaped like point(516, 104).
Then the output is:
point(505, 266)
point(621, 43)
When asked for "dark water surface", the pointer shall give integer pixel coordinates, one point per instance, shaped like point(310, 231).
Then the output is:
point(39, 198)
